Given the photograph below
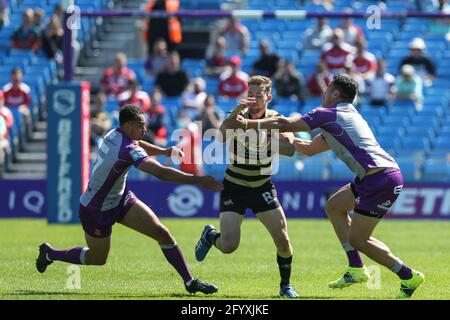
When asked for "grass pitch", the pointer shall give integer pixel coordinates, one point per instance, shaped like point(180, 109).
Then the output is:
point(136, 267)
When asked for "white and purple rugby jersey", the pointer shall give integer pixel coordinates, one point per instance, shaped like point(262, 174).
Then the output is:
point(350, 138)
point(108, 179)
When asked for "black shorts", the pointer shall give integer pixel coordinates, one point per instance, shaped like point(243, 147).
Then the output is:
point(238, 199)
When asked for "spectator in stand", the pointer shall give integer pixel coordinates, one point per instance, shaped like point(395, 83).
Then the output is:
point(156, 125)
point(17, 94)
point(26, 36)
point(100, 120)
point(4, 13)
point(318, 81)
point(58, 11)
point(193, 99)
point(439, 26)
point(52, 38)
point(38, 20)
point(3, 144)
point(210, 116)
point(352, 32)
point(233, 84)
point(409, 86)
point(237, 37)
point(380, 87)
point(350, 71)
point(365, 62)
point(191, 145)
point(423, 65)
point(316, 37)
point(173, 80)
point(117, 77)
point(337, 53)
point(135, 97)
point(288, 82)
point(167, 28)
point(6, 114)
point(158, 59)
point(216, 61)
point(267, 63)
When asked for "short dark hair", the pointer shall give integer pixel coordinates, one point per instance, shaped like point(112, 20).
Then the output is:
point(129, 113)
point(347, 87)
point(16, 70)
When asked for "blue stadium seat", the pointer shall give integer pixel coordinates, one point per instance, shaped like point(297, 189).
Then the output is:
point(111, 105)
point(436, 171)
point(313, 169)
point(418, 132)
point(340, 171)
point(385, 132)
point(399, 121)
point(442, 142)
point(408, 168)
point(226, 104)
point(389, 143)
point(414, 143)
point(401, 110)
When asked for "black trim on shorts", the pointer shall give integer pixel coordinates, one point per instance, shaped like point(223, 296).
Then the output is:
point(251, 166)
point(244, 177)
point(352, 187)
point(368, 214)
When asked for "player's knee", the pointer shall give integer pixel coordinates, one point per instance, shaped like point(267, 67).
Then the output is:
point(357, 242)
point(228, 245)
point(229, 248)
point(283, 245)
point(163, 235)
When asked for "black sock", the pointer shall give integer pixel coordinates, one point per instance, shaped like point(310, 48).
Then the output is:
point(212, 236)
point(284, 265)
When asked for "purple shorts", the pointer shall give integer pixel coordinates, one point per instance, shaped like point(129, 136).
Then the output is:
point(376, 193)
point(98, 223)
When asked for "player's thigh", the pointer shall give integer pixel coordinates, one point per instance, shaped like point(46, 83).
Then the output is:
point(275, 222)
point(362, 228)
point(342, 200)
point(230, 226)
point(98, 249)
point(143, 220)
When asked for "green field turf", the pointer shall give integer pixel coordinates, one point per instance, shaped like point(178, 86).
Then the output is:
point(136, 268)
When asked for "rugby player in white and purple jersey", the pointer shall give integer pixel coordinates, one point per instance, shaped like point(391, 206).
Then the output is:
point(107, 200)
point(377, 184)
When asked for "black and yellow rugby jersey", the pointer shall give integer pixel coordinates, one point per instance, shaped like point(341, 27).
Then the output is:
point(250, 163)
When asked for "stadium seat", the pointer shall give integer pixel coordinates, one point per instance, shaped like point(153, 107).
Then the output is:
point(408, 168)
point(435, 171)
point(442, 142)
point(340, 171)
point(419, 132)
point(415, 143)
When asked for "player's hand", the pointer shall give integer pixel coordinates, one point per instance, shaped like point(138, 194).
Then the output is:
point(237, 123)
point(209, 183)
point(244, 103)
point(174, 152)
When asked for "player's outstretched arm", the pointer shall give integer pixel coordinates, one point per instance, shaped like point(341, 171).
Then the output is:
point(291, 124)
point(169, 174)
point(311, 147)
point(153, 150)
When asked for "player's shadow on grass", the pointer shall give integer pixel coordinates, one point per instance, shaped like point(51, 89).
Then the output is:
point(48, 293)
point(302, 298)
point(159, 295)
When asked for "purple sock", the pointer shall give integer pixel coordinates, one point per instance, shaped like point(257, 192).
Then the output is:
point(74, 255)
point(175, 257)
point(354, 259)
point(405, 272)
